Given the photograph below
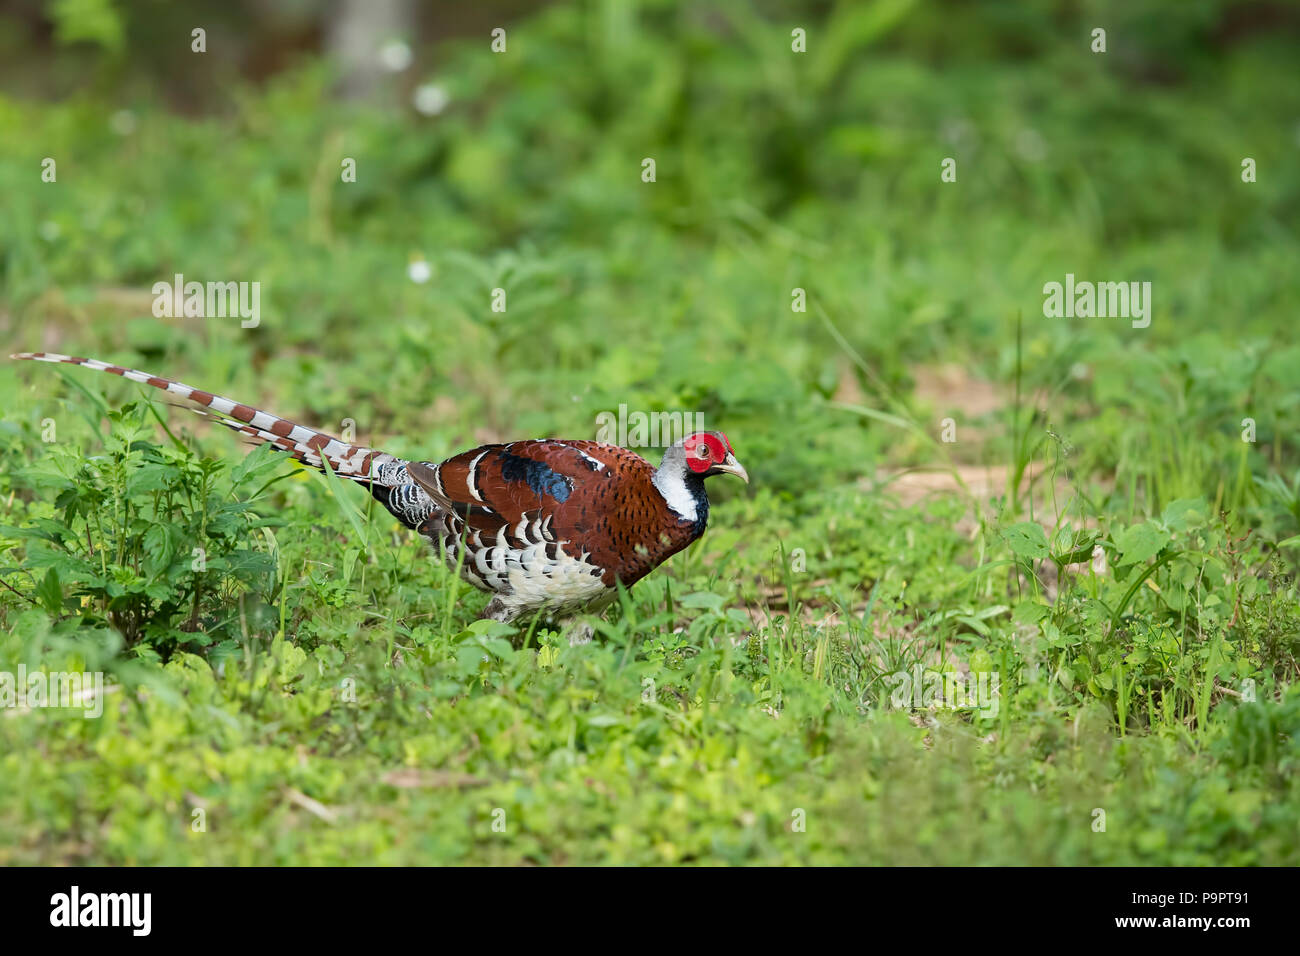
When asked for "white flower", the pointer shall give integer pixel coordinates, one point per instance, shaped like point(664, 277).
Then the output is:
point(419, 271)
point(122, 122)
point(430, 99)
point(395, 56)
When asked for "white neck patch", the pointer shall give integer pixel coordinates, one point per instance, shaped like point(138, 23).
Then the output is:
point(672, 486)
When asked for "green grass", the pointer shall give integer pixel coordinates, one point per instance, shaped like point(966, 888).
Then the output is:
point(318, 686)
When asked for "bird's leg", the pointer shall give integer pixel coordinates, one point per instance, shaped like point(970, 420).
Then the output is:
point(496, 610)
point(579, 632)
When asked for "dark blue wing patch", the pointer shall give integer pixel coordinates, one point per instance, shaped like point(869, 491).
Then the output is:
point(539, 476)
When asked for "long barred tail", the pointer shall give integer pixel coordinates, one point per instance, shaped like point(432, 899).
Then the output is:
point(378, 470)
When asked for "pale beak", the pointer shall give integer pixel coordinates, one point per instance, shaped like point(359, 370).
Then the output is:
point(732, 467)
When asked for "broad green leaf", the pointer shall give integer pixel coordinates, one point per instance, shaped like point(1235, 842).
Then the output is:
point(702, 599)
point(1185, 514)
point(1026, 540)
point(1030, 612)
point(488, 628)
point(50, 592)
point(1140, 542)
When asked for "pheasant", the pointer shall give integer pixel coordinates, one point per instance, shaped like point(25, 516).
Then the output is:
point(546, 526)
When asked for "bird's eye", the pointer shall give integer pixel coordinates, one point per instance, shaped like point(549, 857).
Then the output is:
point(702, 452)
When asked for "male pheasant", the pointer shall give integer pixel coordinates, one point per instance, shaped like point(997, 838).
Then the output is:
point(546, 526)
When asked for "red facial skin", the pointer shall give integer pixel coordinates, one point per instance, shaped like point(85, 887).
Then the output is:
point(706, 449)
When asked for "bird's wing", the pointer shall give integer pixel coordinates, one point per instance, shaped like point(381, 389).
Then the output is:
point(567, 492)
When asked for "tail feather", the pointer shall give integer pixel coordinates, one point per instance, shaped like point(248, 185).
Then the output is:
point(345, 466)
point(307, 445)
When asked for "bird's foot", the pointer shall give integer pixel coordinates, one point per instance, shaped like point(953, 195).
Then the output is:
point(579, 632)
